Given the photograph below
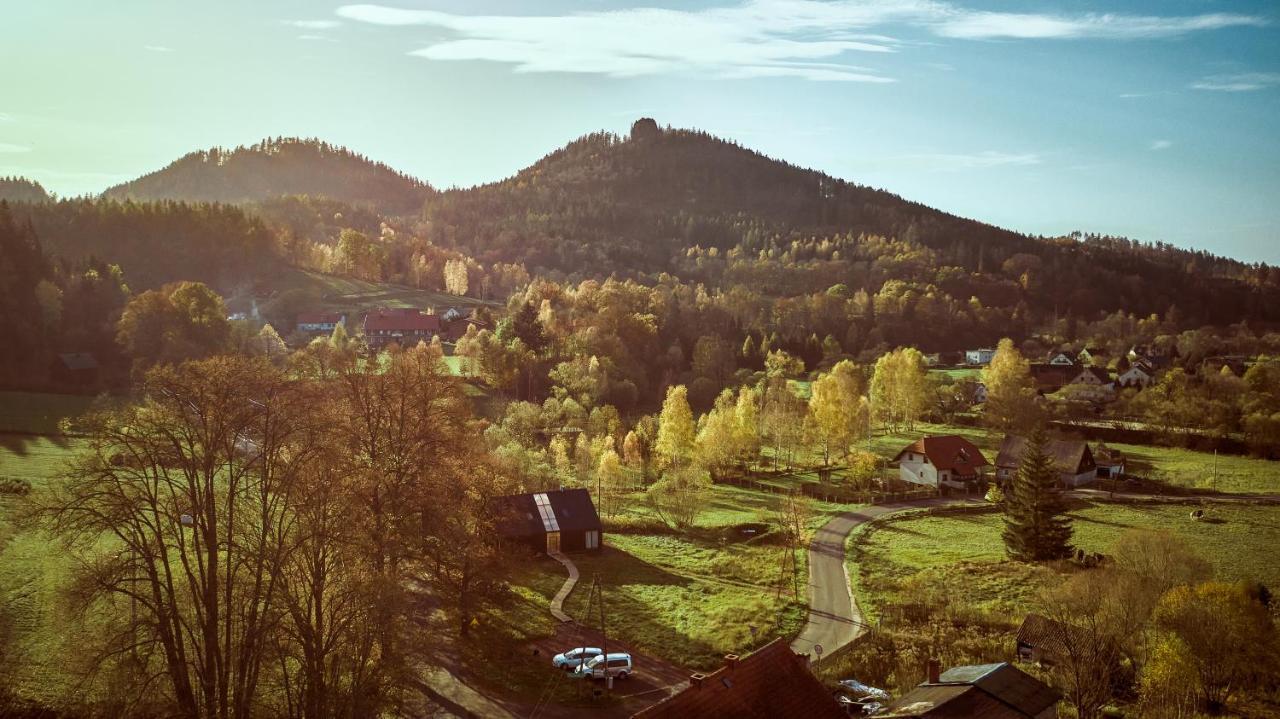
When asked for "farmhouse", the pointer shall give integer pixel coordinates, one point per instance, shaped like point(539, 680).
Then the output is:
point(1050, 378)
point(563, 519)
point(948, 460)
point(318, 321)
point(772, 682)
point(1061, 359)
point(1092, 383)
point(404, 326)
point(979, 356)
point(1072, 458)
point(991, 691)
point(1138, 375)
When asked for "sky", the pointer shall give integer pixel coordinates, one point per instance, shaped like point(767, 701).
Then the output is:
point(1153, 119)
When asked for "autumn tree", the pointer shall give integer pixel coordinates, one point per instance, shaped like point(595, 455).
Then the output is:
point(183, 321)
point(1036, 527)
point(611, 483)
point(676, 430)
point(839, 409)
point(680, 496)
point(1011, 392)
point(899, 388)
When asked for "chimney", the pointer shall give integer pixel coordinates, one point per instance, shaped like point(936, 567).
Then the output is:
point(731, 661)
point(935, 671)
point(695, 680)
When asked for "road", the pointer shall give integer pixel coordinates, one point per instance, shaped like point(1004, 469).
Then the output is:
point(834, 617)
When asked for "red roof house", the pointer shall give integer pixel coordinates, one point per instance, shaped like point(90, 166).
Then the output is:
point(948, 460)
point(404, 326)
point(772, 682)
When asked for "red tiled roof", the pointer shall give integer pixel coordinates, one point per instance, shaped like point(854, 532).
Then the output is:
point(771, 683)
point(949, 452)
point(319, 318)
point(400, 320)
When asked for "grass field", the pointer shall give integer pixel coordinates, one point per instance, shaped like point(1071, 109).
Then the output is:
point(39, 412)
point(1238, 540)
point(956, 373)
point(345, 293)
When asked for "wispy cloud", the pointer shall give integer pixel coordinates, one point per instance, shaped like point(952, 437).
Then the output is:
point(1161, 144)
point(313, 24)
point(316, 38)
point(157, 48)
point(974, 161)
point(754, 38)
point(1242, 82)
point(8, 147)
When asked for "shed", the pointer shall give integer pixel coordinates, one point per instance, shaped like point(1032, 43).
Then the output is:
point(992, 691)
point(1072, 458)
point(76, 369)
point(562, 519)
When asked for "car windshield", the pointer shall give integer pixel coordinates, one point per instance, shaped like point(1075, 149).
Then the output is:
point(595, 661)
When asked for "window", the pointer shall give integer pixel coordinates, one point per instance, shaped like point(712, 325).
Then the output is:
point(543, 503)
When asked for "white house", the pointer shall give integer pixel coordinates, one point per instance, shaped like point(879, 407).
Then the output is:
point(1061, 359)
point(1136, 376)
point(949, 461)
point(979, 356)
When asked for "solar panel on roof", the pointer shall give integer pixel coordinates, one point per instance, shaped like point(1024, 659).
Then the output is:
point(549, 522)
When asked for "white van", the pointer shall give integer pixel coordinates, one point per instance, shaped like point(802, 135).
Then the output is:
point(574, 658)
point(613, 665)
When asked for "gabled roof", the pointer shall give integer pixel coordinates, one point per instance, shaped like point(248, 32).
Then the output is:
point(523, 515)
point(1046, 634)
point(1069, 455)
point(1049, 376)
point(771, 683)
point(992, 691)
point(949, 452)
point(400, 320)
point(1103, 376)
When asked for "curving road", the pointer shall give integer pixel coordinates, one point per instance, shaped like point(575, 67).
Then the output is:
point(834, 618)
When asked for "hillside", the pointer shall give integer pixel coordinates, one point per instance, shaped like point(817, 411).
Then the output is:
point(20, 189)
point(275, 168)
point(708, 210)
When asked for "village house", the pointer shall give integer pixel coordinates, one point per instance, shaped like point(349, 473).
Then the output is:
point(980, 393)
point(1050, 378)
point(1110, 462)
point(1093, 356)
point(404, 326)
point(1061, 359)
point(1091, 383)
point(1043, 640)
point(1072, 458)
point(1138, 375)
point(990, 691)
point(318, 322)
point(772, 682)
point(559, 520)
point(979, 356)
point(945, 461)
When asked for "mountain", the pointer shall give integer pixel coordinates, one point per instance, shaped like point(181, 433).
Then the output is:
point(275, 168)
point(710, 211)
point(20, 189)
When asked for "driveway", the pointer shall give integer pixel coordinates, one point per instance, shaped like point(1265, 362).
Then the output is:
point(834, 617)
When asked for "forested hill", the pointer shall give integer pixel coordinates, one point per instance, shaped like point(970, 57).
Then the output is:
point(278, 167)
point(708, 210)
point(20, 189)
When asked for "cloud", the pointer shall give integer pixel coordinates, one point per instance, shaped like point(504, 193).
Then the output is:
point(6, 117)
point(1243, 82)
point(157, 48)
point(752, 38)
point(974, 161)
point(1161, 144)
point(313, 24)
point(8, 147)
point(316, 38)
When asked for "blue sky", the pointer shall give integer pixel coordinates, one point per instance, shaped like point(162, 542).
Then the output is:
point(1155, 120)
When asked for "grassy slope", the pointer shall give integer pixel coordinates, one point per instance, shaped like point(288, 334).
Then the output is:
point(345, 293)
point(969, 545)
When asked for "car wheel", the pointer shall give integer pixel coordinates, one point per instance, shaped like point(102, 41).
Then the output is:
point(623, 675)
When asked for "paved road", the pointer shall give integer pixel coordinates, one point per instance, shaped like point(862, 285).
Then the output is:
point(834, 618)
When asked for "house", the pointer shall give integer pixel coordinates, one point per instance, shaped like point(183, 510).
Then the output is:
point(563, 519)
point(979, 356)
point(947, 460)
point(1110, 462)
point(1061, 359)
point(404, 326)
point(989, 691)
point(1050, 378)
point(1093, 356)
point(1091, 383)
point(76, 369)
point(1072, 458)
point(318, 322)
point(772, 682)
point(933, 359)
point(1138, 375)
point(1044, 640)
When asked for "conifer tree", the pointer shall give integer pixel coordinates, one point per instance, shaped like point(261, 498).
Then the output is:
point(1035, 527)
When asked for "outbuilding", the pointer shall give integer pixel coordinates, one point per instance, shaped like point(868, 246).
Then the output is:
point(555, 521)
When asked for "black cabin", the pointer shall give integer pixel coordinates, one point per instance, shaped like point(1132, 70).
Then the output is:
point(559, 520)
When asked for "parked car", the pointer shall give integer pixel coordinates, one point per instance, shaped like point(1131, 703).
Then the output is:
point(574, 658)
point(866, 706)
point(613, 665)
point(858, 690)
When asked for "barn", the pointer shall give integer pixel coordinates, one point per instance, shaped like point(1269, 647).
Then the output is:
point(559, 520)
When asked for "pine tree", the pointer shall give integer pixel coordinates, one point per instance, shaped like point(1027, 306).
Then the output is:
point(1036, 528)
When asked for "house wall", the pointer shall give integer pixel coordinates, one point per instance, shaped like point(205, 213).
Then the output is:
point(1075, 480)
point(916, 471)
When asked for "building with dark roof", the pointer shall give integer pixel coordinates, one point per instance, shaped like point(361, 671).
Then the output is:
point(404, 326)
point(563, 519)
point(1072, 458)
point(989, 691)
point(772, 682)
point(76, 369)
point(947, 460)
